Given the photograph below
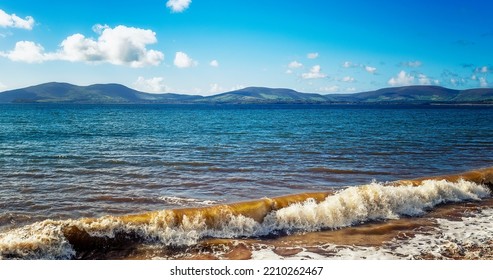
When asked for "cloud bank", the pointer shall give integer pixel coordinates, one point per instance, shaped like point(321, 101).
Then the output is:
point(405, 79)
point(26, 51)
point(14, 21)
point(121, 45)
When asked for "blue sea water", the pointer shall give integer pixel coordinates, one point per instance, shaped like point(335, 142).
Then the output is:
point(72, 161)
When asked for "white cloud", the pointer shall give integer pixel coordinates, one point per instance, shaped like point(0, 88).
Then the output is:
point(413, 64)
point(424, 80)
point(152, 85)
point(182, 60)
point(454, 79)
point(2, 86)
point(347, 64)
point(215, 88)
point(350, 89)
point(314, 73)
point(483, 82)
point(348, 79)
point(120, 46)
point(79, 48)
point(178, 6)
point(370, 69)
point(237, 87)
point(26, 51)
point(483, 69)
point(295, 64)
point(289, 71)
point(312, 55)
point(99, 28)
point(14, 21)
point(330, 89)
point(402, 79)
point(214, 63)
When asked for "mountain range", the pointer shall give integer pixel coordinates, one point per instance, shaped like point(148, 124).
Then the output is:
point(119, 94)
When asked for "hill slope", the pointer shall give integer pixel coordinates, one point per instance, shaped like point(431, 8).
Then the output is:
point(119, 94)
point(93, 94)
point(264, 95)
point(423, 94)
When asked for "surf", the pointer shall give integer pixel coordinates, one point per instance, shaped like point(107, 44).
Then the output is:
point(263, 218)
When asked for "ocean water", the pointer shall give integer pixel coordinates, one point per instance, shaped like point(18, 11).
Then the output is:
point(78, 168)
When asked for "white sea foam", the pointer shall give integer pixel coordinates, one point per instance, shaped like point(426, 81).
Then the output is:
point(351, 206)
point(186, 201)
point(465, 238)
point(375, 201)
point(268, 254)
point(42, 240)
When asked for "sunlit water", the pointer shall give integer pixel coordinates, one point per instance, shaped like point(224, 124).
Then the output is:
point(72, 161)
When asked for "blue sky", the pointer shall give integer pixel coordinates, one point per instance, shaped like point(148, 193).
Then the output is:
point(211, 46)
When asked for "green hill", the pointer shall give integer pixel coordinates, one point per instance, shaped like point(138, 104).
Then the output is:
point(424, 94)
point(93, 94)
point(119, 94)
point(264, 95)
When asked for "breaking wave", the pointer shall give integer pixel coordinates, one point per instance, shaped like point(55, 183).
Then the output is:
point(305, 212)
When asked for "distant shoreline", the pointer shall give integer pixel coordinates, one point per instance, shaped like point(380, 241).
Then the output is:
point(271, 105)
point(62, 93)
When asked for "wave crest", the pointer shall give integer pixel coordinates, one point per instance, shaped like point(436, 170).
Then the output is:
point(269, 216)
